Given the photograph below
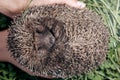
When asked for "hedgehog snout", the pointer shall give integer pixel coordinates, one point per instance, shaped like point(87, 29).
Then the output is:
point(45, 40)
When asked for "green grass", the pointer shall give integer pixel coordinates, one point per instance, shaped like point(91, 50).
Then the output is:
point(109, 10)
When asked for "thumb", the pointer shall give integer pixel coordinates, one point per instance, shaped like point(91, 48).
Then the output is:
point(75, 3)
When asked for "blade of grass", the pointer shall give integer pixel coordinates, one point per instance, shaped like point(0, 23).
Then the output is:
point(111, 11)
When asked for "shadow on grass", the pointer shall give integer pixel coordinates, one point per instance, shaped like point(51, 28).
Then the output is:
point(4, 22)
point(10, 72)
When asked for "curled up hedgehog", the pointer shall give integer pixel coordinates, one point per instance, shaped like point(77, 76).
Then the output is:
point(58, 41)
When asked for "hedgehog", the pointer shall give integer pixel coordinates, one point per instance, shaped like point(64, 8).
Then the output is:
point(58, 41)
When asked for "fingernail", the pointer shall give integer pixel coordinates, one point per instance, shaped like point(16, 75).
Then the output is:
point(81, 4)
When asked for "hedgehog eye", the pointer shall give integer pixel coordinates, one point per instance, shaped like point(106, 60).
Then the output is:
point(38, 31)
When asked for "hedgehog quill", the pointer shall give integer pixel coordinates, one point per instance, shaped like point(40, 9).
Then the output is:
point(58, 40)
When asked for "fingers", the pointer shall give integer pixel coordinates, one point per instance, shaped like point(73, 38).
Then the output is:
point(72, 3)
point(75, 3)
point(3, 49)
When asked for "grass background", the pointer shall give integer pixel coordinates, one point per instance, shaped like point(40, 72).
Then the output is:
point(109, 10)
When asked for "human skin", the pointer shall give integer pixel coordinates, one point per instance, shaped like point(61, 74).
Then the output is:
point(11, 8)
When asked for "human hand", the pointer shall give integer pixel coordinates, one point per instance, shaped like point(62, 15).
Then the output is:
point(14, 7)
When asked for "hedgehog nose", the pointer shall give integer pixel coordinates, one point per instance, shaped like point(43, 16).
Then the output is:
point(45, 40)
point(50, 40)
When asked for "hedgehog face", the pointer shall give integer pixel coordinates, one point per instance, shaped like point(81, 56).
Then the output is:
point(44, 39)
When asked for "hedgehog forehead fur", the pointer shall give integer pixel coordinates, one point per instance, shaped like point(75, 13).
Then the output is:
point(58, 40)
